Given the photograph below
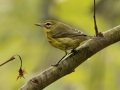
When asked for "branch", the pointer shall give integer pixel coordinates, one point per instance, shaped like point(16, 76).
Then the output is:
point(68, 65)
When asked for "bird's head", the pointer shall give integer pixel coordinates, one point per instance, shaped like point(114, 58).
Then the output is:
point(48, 24)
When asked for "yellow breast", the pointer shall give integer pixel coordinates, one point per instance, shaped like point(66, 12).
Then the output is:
point(62, 43)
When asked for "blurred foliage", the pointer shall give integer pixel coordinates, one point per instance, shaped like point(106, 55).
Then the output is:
point(19, 35)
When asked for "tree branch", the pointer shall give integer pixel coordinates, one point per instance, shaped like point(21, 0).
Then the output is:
point(68, 65)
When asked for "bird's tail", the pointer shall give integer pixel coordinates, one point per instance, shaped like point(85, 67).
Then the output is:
point(95, 37)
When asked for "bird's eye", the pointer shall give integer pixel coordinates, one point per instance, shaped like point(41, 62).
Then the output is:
point(48, 24)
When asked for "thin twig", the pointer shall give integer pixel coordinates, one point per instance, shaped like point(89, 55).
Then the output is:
point(95, 23)
point(20, 60)
point(12, 58)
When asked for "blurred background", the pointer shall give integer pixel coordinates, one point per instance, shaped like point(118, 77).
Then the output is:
point(19, 35)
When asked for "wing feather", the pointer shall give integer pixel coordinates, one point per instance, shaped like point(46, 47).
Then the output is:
point(66, 31)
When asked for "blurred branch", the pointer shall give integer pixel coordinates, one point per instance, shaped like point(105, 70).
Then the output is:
point(68, 65)
point(45, 7)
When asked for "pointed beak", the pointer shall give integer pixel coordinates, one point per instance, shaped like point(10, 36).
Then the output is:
point(39, 24)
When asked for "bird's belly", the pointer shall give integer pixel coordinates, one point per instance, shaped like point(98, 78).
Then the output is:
point(64, 43)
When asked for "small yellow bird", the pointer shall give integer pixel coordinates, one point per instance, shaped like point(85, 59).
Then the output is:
point(62, 36)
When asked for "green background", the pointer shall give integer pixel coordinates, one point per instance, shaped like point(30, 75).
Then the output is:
point(19, 35)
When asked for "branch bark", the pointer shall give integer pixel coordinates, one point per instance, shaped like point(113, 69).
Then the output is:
point(68, 65)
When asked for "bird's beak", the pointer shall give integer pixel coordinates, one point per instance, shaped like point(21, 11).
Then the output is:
point(39, 24)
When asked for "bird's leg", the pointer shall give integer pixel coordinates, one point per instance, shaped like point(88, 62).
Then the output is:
point(61, 59)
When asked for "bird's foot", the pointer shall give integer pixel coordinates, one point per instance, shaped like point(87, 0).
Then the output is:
point(55, 65)
point(73, 51)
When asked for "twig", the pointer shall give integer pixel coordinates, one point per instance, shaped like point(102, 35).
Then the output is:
point(95, 23)
point(21, 71)
point(12, 58)
point(20, 60)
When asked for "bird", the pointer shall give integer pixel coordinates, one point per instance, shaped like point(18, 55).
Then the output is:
point(63, 36)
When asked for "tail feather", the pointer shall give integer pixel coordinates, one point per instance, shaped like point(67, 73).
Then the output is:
point(94, 37)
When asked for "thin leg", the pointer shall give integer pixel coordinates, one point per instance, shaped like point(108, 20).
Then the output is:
point(61, 59)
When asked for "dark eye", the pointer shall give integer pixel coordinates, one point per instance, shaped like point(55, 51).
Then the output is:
point(48, 24)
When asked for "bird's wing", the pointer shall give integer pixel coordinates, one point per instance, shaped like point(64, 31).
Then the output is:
point(67, 31)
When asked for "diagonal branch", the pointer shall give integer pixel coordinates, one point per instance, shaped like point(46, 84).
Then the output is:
point(67, 66)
